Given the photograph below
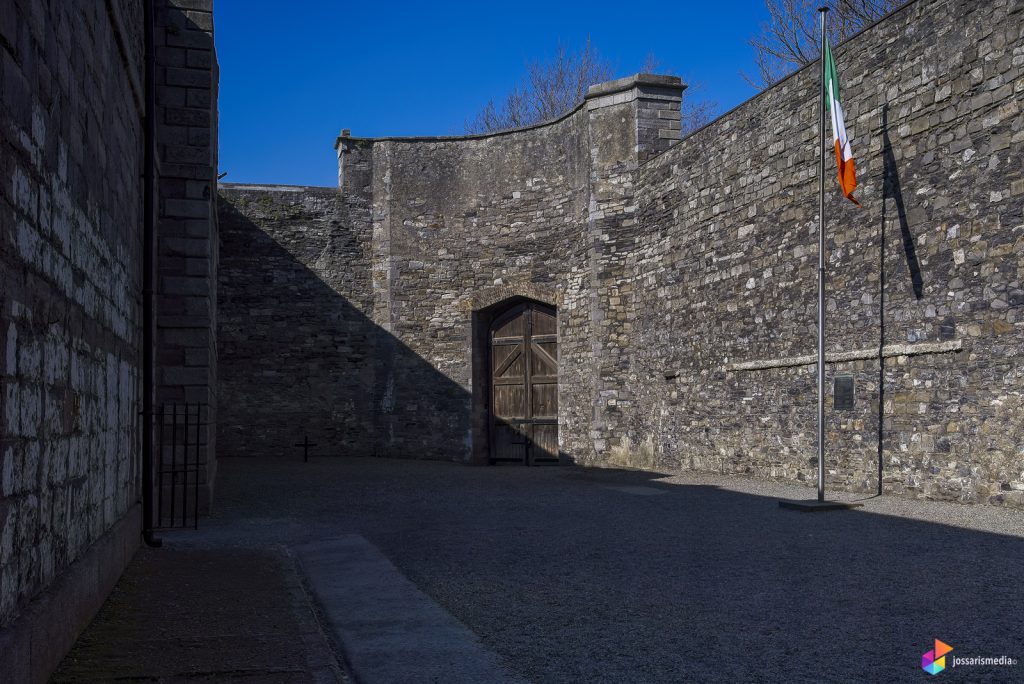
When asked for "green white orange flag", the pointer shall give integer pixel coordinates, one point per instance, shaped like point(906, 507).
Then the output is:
point(844, 155)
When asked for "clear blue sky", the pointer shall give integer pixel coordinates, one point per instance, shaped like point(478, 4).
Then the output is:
point(293, 75)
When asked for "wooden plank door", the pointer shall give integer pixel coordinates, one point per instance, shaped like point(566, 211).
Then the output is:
point(524, 385)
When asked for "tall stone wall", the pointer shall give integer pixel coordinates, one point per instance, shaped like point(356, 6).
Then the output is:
point(348, 315)
point(460, 225)
point(924, 286)
point(381, 341)
point(70, 152)
point(296, 337)
point(72, 77)
point(684, 272)
point(186, 85)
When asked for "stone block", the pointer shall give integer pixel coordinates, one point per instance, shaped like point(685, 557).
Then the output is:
point(185, 376)
point(187, 154)
point(173, 285)
point(195, 40)
point(186, 208)
point(202, 21)
point(177, 116)
point(191, 247)
point(186, 77)
point(199, 59)
point(198, 267)
point(172, 56)
point(199, 98)
point(171, 96)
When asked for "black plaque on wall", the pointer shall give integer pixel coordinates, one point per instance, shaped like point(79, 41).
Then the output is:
point(842, 393)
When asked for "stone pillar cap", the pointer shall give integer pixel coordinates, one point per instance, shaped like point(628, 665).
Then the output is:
point(629, 82)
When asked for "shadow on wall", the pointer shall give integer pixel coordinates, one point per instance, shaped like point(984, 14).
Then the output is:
point(891, 189)
point(298, 358)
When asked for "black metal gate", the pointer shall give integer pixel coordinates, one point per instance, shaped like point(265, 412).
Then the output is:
point(180, 437)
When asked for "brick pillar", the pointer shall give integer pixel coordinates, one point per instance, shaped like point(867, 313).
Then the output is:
point(187, 76)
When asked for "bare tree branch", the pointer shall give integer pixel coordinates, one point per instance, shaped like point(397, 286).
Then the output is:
point(553, 87)
point(789, 39)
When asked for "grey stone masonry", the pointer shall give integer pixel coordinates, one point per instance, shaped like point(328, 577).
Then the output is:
point(70, 268)
point(295, 336)
point(448, 228)
point(924, 279)
point(72, 111)
point(187, 76)
point(655, 100)
point(683, 273)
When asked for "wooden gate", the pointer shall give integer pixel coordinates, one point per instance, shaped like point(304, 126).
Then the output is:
point(524, 385)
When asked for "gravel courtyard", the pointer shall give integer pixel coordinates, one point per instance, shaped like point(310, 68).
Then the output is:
point(574, 574)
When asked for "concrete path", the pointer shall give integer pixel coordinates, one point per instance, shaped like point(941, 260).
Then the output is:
point(389, 630)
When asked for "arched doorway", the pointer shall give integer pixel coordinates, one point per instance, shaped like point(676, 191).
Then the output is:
point(523, 415)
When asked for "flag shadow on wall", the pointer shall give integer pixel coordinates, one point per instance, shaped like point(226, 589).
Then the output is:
point(891, 189)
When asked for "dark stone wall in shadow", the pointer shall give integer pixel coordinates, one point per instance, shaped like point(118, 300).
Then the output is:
point(299, 352)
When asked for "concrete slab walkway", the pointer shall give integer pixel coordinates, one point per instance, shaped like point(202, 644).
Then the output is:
point(389, 630)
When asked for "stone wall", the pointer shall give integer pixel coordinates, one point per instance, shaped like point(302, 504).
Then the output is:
point(70, 152)
point(295, 335)
point(347, 315)
point(427, 237)
point(455, 220)
point(72, 77)
point(186, 85)
point(924, 280)
point(684, 272)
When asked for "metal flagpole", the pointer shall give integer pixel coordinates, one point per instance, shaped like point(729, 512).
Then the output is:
point(820, 504)
point(821, 266)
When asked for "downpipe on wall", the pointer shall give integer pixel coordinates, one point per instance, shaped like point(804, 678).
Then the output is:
point(148, 276)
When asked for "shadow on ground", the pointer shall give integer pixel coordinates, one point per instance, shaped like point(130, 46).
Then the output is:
point(576, 574)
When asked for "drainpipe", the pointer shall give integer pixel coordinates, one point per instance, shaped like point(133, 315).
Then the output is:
point(148, 277)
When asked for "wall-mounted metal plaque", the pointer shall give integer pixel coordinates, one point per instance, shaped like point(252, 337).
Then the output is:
point(842, 392)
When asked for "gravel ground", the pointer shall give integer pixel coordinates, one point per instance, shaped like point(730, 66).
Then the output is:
point(576, 574)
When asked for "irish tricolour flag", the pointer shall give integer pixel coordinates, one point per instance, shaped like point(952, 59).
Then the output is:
point(844, 155)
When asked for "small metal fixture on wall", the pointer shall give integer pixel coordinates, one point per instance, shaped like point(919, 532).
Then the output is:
point(842, 393)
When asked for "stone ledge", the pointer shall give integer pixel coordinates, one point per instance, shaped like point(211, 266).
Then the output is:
point(257, 187)
point(888, 351)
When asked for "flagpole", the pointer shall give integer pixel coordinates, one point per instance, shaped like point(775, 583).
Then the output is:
point(821, 265)
point(820, 504)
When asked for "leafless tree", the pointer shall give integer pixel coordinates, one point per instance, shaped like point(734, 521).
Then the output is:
point(789, 39)
point(549, 89)
point(553, 87)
